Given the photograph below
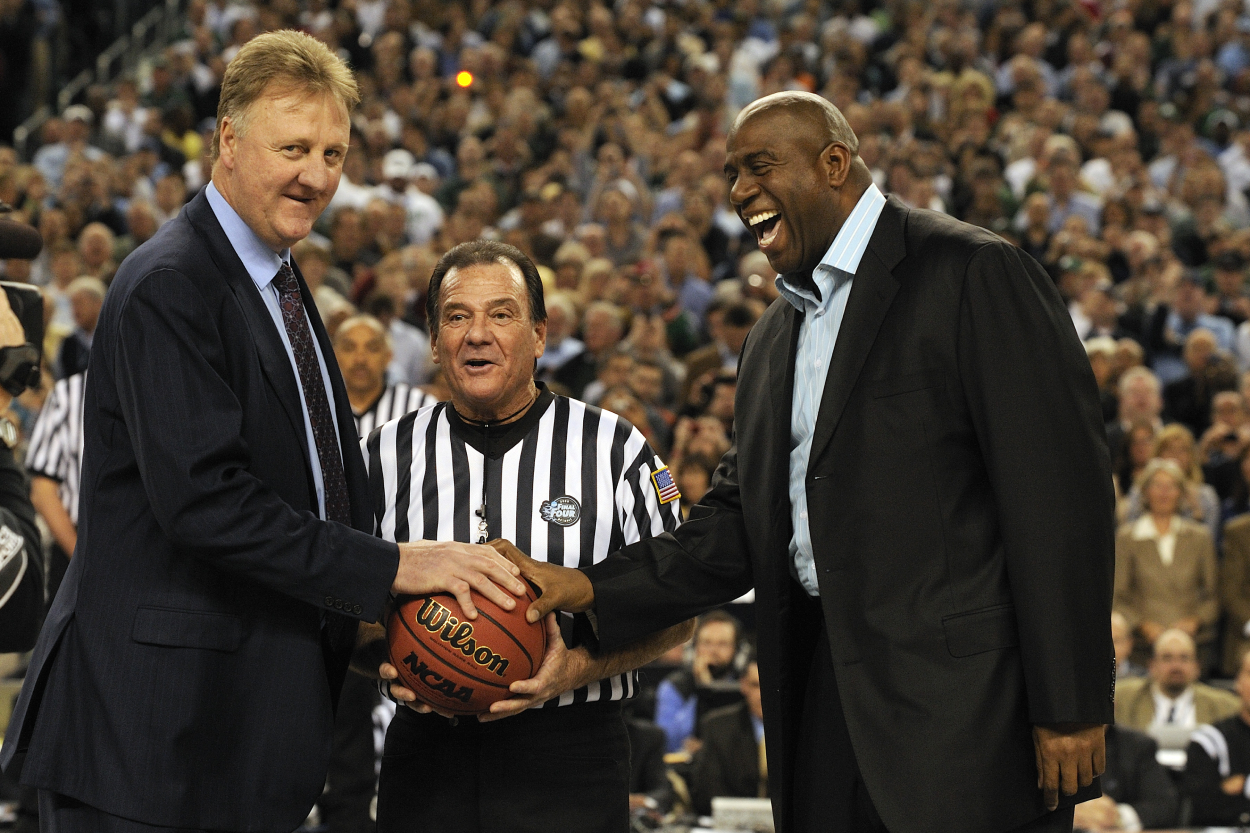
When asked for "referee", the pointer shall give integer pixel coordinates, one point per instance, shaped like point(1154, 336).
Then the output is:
point(363, 349)
point(568, 483)
point(54, 462)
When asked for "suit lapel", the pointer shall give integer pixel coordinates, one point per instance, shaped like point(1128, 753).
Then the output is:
point(274, 361)
point(872, 292)
point(781, 367)
point(780, 372)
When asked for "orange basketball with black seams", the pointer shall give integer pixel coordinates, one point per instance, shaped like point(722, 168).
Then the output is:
point(460, 665)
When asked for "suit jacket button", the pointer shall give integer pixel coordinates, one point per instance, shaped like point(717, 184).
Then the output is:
point(357, 609)
point(329, 601)
point(338, 604)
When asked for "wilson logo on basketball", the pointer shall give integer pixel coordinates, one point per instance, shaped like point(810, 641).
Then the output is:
point(438, 620)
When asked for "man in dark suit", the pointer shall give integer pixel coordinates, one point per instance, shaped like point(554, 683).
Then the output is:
point(1138, 792)
point(728, 762)
point(925, 512)
point(186, 675)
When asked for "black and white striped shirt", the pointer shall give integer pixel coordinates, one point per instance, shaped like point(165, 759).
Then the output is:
point(55, 449)
point(567, 483)
point(395, 401)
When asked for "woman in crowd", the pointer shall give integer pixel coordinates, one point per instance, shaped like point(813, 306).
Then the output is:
point(1176, 443)
point(1165, 569)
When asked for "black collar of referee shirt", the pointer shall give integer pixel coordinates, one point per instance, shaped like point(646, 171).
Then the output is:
point(493, 441)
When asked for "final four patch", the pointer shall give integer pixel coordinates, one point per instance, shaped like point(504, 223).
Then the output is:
point(564, 511)
point(664, 485)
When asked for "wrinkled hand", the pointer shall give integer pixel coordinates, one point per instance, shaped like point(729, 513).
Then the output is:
point(562, 588)
point(456, 568)
point(406, 695)
point(1069, 756)
point(561, 670)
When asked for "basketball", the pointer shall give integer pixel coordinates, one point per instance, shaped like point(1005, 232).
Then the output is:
point(460, 665)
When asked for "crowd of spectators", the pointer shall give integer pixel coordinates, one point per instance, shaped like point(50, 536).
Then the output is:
point(1109, 140)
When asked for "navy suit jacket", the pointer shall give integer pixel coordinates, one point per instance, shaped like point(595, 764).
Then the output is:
point(187, 671)
point(962, 522)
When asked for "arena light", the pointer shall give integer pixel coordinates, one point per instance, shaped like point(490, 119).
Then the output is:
point(464, 78)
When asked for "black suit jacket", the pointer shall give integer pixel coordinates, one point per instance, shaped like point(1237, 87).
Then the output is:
point(728, 763)
point(184, 677)
point(1136, 778)
point(647, 773)
point(961, 513)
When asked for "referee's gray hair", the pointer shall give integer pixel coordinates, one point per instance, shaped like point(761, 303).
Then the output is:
point(479, 252)
point(837, 129)
point(363, 320)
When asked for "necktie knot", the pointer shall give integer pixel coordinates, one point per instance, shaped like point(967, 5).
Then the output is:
point(285, 281)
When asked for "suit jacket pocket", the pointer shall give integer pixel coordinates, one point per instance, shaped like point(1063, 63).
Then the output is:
point(978, 631)
point(908, 382)
point(187, 629)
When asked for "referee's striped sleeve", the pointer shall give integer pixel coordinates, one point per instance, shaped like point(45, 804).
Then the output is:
point(642, 515)
point(46, 451)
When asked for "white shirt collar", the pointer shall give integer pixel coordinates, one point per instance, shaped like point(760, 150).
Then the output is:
point(261, 262)
point(843, 255)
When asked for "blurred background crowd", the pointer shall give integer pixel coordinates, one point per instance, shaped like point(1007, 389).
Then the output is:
point(1110, 139)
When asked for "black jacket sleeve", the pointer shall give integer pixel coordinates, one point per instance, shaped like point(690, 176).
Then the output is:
point(21, 560)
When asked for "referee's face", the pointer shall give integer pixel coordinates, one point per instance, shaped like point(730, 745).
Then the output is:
point(487, 341)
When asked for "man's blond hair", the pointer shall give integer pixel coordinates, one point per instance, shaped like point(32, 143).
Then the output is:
point(293, 61)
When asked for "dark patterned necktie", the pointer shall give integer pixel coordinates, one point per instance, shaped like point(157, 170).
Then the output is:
point(338, 508)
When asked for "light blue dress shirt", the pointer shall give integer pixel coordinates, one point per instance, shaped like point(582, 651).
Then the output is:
point(263, 263)
point(817, 336)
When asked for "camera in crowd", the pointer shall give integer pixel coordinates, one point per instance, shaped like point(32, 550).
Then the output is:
point(19, 364)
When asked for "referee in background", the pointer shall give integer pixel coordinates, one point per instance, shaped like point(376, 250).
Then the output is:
point(54, 462)
point(568, 483)
point(363, 349)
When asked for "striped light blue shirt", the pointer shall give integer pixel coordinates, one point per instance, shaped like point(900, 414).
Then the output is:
point(817, 336)
point(262, 264)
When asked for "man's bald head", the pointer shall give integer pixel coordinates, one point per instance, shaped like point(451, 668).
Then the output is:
point(1173, 639)
point(1174, 665)
point(794, 177)
point(806, 108)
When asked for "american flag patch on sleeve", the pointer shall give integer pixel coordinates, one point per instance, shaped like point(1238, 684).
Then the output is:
point(664, 485)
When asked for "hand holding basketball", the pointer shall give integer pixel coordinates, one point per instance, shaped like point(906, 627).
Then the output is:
point(456, 568)
point(563, 588)
point(561, 670)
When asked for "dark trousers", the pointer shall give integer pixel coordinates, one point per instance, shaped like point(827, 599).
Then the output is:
point(560, 770)
point(829, 792)
point(351, 777)
point(62, 814)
